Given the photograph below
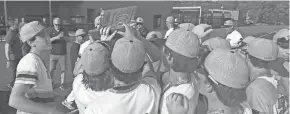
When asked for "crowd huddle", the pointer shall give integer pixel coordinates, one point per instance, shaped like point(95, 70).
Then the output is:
point(134, 71)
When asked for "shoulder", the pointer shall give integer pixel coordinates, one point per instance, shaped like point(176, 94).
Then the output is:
point(77, 81)
point(27, 64)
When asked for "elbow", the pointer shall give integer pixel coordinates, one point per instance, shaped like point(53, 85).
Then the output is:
point(13, 102)
point(16, 102)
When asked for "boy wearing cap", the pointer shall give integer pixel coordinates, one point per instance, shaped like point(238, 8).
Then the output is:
point(75, 47)
point(132, 93)
point(224, 83)
point(262, 92)
point(181, 50)
point(33, 86)
point(90, 84)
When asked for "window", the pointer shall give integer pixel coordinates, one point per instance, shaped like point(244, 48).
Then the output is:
point(157, 20)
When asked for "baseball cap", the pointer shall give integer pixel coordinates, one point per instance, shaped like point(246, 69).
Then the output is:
point(217, 42)
point(29, 30)
point(140, 20)
point(263, 49)
point(156, 33)
point(283, 33)
point(229, 23)
point(128, 54)
point(183, 42)
point(80, 32)
point(227, 67)
point(186, 26)
point(95, 59)
point(170, 19)
point(56, 21)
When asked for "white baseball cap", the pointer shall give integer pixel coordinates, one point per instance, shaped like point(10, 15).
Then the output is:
point(29, 30)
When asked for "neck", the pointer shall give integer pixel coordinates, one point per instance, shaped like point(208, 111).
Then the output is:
point(214, 104)
point(43, 55)
point(179, 76)
point(256, 72)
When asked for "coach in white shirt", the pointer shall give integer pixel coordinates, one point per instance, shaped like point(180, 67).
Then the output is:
point(170, 25)
point(233, 36)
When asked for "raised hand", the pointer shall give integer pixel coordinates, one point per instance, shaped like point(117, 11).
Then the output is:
point(177, 103)
point(105, 34)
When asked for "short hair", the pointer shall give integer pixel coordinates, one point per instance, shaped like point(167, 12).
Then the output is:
point(181, 63)
point(227, 95)
point(97, 83)
point(127, 78)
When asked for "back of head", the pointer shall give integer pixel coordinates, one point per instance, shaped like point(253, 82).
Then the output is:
point(228, 74)
point(183, 42)
point(170, 19)
point(95, 62)
point(128, 57)
point(185, 50)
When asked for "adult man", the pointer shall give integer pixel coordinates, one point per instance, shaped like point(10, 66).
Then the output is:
point(132, 93)
point(262, 92)
point(233, 36)
point(22, 23)
point(13, 50)
point(170, 26)
point(58, 51)
point(224, 83)
point(141, 28)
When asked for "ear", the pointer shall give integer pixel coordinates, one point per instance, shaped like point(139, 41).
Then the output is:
point(31, 43)
point(208, 87)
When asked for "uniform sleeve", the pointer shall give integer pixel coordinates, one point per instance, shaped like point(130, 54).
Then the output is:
point(27, 71)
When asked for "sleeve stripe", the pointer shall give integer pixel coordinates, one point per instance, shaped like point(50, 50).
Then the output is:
point(25, 82)
point(26, 79)
point(27, 76)
point(27, 73)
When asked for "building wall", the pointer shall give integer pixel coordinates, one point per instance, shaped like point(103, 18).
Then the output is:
point(146, 9)
point(17, 9)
